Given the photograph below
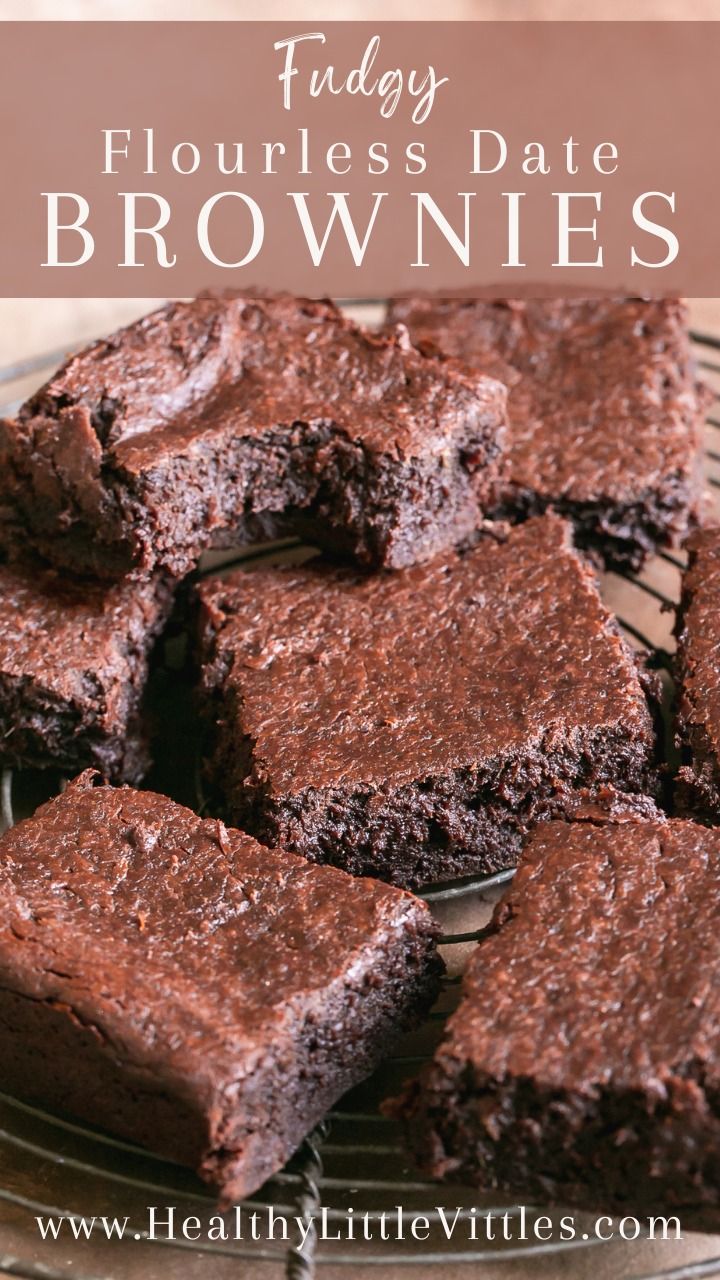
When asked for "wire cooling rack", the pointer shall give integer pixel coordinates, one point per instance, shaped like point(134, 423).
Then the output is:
point(55, 1168)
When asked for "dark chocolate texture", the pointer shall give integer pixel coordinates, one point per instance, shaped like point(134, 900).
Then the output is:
point(605, 415)
point(227, 418)
point(698, 677)
point(74, 659)
point(581, 1067)
point(414, 726)
point(170, 981)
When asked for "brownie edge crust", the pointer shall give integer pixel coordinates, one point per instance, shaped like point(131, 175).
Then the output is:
point(697, 670)
point(170, 981)
point(581, 1067)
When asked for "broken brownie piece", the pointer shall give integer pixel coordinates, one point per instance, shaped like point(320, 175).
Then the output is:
point(224, 418)
point(581, 1067)
point(414, 726)
point(73, 669)
point(698, 677)
point(173, 982)
point(605, 415)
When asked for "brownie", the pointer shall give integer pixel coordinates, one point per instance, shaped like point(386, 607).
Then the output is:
point(226, 418)
point(172, 982)
point(582, 1065)
point(74, 659)
point(698, 677)
point(605, 413)
point(412, 726)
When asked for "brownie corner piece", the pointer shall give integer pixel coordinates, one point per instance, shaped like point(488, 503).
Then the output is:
point(415, 726)
point(605, 410)
point(697, 670)
point(74, 662)
point(580, 1067)
point(229, 417)
point(174, 983)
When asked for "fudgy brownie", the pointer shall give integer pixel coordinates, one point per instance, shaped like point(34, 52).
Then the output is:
point(172, 982)
point(229, 417)
point(605, 412)
point(698, 676)
point(582, 1065)
point(73, 669)
point(413, 726)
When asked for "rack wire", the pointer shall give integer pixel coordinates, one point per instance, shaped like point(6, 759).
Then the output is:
point(54, 1167)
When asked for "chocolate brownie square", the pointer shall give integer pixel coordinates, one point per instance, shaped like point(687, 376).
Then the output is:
point(698, 677)
point(74, 659)
point(581, 1066)
point(212, 421)
point(414, 726)
point(170, 981)
point(605, 412)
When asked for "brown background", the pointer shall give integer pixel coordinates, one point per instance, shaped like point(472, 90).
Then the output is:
point(202, 83)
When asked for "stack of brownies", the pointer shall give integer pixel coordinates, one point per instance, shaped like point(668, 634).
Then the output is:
point(440, 692)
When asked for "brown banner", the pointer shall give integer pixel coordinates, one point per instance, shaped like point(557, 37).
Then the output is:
point(359, 159)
